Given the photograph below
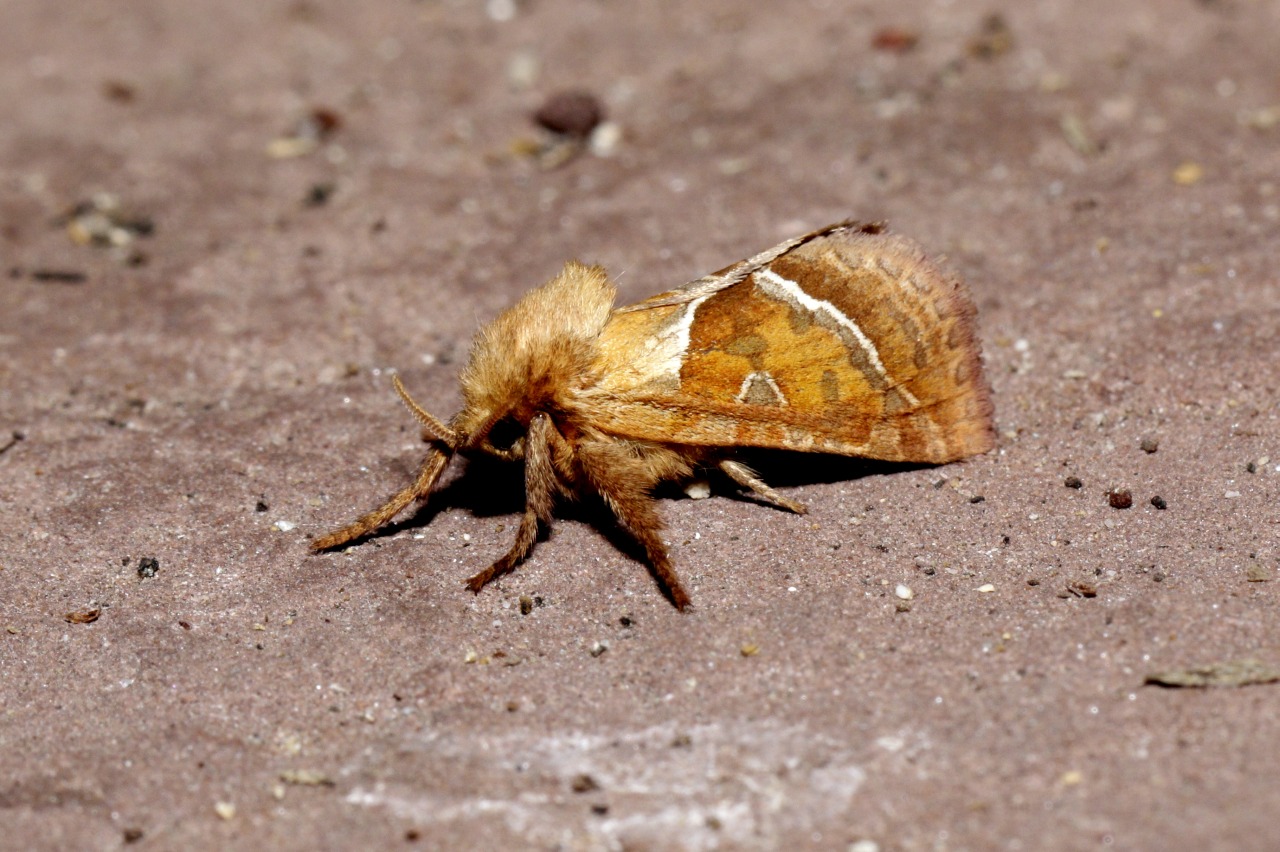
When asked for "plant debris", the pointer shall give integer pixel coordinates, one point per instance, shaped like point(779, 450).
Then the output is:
point(102, 222)
point(993, 39)
point(306, 778)
point(85, 616)
point(1083, 589)
point(1256, 573)
point(59, 276)
point(1245, 672)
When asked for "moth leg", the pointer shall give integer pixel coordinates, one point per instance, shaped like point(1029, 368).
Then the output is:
point(746, 477)
point(562, 461)
point(540, 484)
point(623, 482)
point(428, 473)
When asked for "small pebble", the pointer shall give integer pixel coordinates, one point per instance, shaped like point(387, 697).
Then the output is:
point(904, 592)
point(1149, 445)
point(606, 138)
point(599, 648)
point(573, 114)
point(523, 70)
point(986, 588)
point(1188, 173)
point(699, 489)
point(1159, 502)
point(1073, 482)
point(1120, 498)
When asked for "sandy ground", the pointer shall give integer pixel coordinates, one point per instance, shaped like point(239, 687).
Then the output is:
point(213, 391)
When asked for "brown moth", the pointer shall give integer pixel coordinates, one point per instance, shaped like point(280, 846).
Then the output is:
point(846, 340)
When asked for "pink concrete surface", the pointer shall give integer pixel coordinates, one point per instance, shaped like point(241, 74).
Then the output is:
point(1106, 176)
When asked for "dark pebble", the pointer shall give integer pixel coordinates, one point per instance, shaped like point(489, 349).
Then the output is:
point(573, 114)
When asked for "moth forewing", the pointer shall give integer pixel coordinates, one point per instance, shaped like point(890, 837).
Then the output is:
point(845, 340)
point(849, 342)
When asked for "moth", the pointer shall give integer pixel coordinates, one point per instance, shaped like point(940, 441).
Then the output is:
point(846, 340)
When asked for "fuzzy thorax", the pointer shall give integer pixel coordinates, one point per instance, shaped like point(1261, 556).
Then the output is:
point(533, 355)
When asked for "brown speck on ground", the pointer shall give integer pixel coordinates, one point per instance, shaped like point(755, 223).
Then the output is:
point(895, 39)
point(1120, 498)
point(1083, 589)
point(584, 783)
point(742, 128)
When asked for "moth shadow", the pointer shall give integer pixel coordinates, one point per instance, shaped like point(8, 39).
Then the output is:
point(484, 488)
point(487, 488)
point(783, 469)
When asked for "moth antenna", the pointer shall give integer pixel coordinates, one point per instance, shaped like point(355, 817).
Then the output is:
point(434, 427)
point(432, 466)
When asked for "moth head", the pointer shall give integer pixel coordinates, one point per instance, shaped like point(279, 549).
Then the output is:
point(530, 359)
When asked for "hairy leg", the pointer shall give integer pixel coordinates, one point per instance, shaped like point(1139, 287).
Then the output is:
point(432, 466)
point(624, 480)
point(540, 484)
point(747, 478)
